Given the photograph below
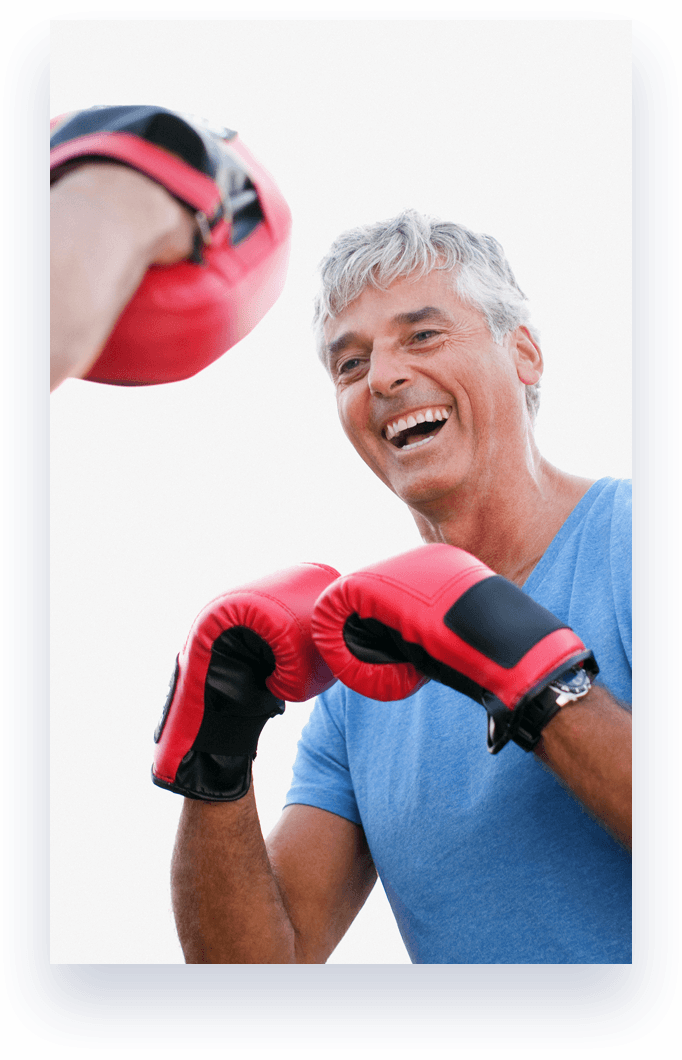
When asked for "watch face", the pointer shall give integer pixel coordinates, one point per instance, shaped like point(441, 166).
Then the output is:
point(573, 683)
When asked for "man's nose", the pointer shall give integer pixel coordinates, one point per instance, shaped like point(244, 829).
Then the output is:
point(388, 370)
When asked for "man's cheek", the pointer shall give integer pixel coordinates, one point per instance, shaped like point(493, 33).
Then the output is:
point(364, 444)
point(349, 421)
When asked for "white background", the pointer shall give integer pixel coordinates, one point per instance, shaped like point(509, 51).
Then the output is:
point(163, 497)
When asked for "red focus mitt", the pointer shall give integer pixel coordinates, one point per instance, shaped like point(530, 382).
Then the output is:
point(438, 612)
point(184, 316)
point(247, 652)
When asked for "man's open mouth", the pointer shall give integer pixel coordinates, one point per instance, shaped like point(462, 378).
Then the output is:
point(417, 428)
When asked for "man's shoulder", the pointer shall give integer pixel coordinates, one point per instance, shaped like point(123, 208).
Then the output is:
point(619, 491)
point(612, 516)
point(607, 504)
point(613, 492)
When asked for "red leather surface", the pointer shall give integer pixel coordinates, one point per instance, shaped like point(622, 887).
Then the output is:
point(411, 593)
point(183, 317)
point(278, 608)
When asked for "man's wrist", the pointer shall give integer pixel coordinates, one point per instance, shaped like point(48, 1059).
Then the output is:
point(563, 690)
point(526, 723)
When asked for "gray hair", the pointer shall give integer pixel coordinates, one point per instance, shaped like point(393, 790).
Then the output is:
point(412, 243)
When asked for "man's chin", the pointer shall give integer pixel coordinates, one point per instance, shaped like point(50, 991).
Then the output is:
point(427, 493)
point(426, 486)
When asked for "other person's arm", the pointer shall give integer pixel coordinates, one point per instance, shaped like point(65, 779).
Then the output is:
point(108, 224)
point(169, 244)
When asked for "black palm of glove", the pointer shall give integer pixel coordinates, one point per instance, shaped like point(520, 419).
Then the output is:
point(237, 705)
point(248, 652)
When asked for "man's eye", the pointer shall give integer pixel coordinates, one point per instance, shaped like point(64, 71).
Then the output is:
point(424, 336)
point(348, 366)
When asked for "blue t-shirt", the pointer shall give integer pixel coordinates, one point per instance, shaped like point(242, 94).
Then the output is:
point(487, 859)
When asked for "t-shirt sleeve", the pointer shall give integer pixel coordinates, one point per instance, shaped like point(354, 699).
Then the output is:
point(321, 772)
point(621, 563)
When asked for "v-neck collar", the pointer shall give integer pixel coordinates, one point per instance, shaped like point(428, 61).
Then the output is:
point(557, 542)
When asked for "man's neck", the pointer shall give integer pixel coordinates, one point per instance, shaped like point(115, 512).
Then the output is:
point(507, 527)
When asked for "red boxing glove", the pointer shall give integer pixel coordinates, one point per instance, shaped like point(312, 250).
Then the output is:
point(247, 652)
point(438, 612)
point(185, 316)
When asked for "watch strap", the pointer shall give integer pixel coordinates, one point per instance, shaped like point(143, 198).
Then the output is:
point(525, 724)
point(529, 720)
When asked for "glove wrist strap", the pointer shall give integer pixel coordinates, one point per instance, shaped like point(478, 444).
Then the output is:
point(525, 724)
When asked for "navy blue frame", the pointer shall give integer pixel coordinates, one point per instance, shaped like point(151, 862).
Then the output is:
point(337, 1005)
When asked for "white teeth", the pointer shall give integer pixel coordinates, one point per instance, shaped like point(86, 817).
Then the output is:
point(432, 415)
point(422, 441)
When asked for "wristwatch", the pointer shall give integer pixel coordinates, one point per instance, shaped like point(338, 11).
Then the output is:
point(571, 685)
point(524, 725)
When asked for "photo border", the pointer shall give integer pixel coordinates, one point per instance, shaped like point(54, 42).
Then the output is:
point(356, 1005)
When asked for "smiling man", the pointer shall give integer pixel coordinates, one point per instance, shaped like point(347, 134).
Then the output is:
point(516, 857)
point(470, 470)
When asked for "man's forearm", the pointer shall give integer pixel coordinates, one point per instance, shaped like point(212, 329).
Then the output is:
point(227, 905)
point(588, 745)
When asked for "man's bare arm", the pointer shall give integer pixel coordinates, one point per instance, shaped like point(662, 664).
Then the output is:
point(238, 900)
point(588, 746)
point(108, 224)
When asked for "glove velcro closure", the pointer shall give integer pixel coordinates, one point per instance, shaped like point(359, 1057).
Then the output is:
point(525, 723)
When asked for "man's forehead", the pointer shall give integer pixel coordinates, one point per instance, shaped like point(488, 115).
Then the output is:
point(347, 325)
point(401, 300)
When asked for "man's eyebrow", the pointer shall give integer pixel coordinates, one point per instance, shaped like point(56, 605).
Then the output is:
point(415, 316)
point(339, 345)
point(428, 312)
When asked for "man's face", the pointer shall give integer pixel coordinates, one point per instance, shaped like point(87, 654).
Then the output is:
point(428, 399)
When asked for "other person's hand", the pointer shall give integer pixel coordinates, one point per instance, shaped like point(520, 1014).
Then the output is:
point(188, 300)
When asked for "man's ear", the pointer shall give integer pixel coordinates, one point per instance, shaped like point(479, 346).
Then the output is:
point(529, 362)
